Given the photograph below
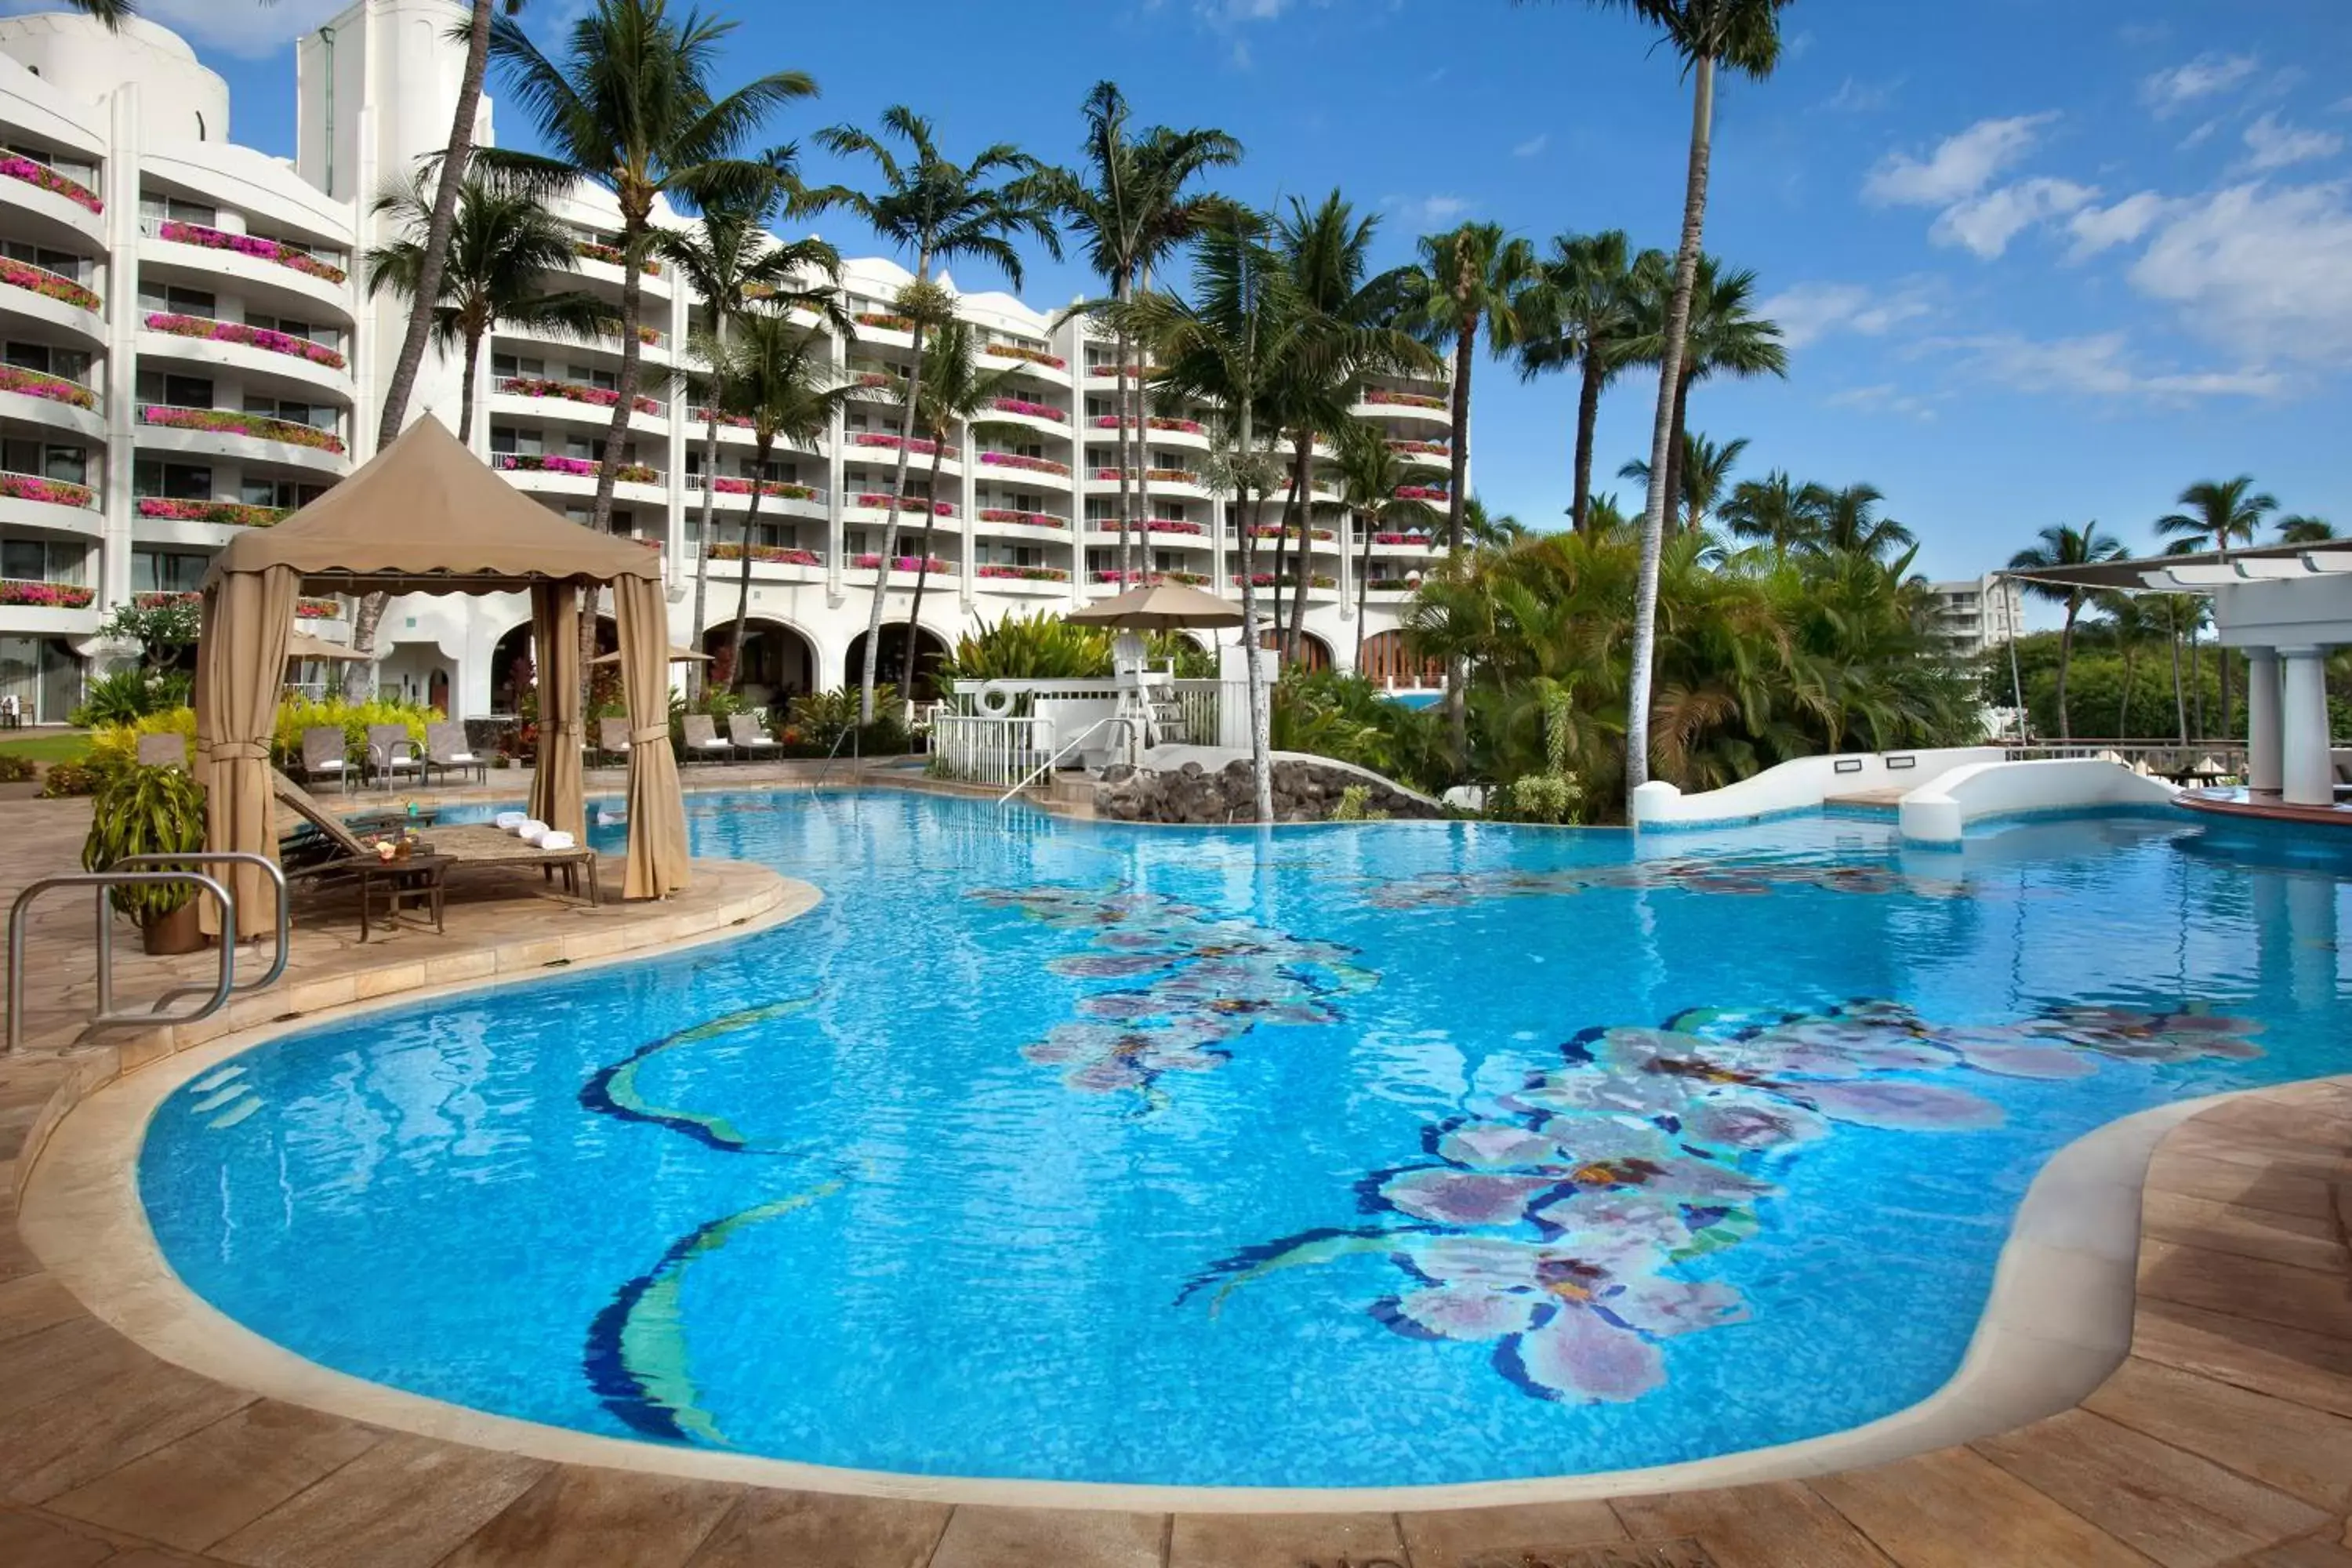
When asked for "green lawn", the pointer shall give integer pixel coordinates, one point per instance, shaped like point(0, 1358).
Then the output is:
point(70, 747)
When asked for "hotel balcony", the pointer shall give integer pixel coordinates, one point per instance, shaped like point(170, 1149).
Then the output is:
point(769, 562)
point(59, 208)
point(1033, 359)
point(599, 264)
point(1018, 522)
point(1158, 430)
point(547, 474)
point(51, 402)
point(1027, 414)
point(204, 523)
point(1158, 533)
point(878, 449)
point(780, 497)
point(54, 306)
point(1409, 415)
point(873, 506)
point(277, 276)
point(250, 437)
point(904, 566)
point(1021, 468)
point(49, 506)
point(263, 359)
point(1186, 483)
point(574, 403)
point(30, 608)
point(1005, 577)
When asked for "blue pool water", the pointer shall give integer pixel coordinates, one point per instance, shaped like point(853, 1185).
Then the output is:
point(1409, 1154)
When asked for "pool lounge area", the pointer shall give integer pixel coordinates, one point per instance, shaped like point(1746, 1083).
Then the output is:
point(1266, 1220)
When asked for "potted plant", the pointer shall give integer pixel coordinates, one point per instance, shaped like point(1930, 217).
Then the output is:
point(150, 811)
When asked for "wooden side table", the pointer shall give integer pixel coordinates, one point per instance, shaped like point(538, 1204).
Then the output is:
point(418, 882)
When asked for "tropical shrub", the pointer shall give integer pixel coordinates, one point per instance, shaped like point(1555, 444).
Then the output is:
point(114, 746)
point(1544, 797)
point(160, 623)
point(15, 769)
point(126, 696)
point(296, 714)
point(1332, 714)
point(1356, 805)
point(1041, 646)
point(817, 722)
point(65, 779)
point(145, 811)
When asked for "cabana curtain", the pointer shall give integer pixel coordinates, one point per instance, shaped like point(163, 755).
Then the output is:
point(425, 516)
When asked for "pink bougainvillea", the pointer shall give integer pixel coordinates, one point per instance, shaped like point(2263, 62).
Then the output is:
point(1033, 410)
point(252, 245)
point(229, 422)
point(1027, 518)
point(573, 391)
point(48, 179)
point(1018, 460)
point(45, 596)
point(57, 492)
point(1024, 573)
point(40, 383)
point(876, 501)
point(774, 554)
point(263, 338)
point(235, 513)
point(50, 284)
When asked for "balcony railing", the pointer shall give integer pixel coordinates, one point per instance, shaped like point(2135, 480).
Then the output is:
point(877, 500)
point(885, 321)
point(1149, 525)
point(47, 284)
point(1155, 476)
point(235, 515)
point(612, 255)
point(41, 384)
point(1423, 492)
point(910, 564)
point(778, 490)
point(890, 443)
point(1023, 352)
point(1267, 580)
point(701, 416)
point(769, 554)
point(207, 330)
point(1275, 531)
point(1022, 406)
point(574, 468)
point(1420, 449)
point(1001, 569)
point(41, 488)
point(1150, 579)
point(39, 595)
point(573, 391)
point(229, 422)
point(1405, 540)
point(1381, 395)
point(293, 257)
point(1026, 463)
point(1026, 519)
point(18, 167)
point(1155, 422)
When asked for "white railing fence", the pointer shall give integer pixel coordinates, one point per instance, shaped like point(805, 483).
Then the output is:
point(978, 749)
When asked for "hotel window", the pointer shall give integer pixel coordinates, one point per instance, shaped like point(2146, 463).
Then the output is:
point(318, 416)
point(179, 481)
point(71, 464)
point(588, 375)
point(156, 208)
point(177, 301)
point(78, 268)
point(42, 561)
point(167, 571)
point(179, 390)
point(325, 337)
point(507, 367)
point(283, 494)
point(70, 364)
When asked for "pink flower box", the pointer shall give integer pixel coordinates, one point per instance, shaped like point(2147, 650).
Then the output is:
point(1150, 525)
point(1420, 540)
point(1027, 518)
point(1155, 422)
point(782, 490)
point(875, 500)
point(40, 383)
point(1033, 410)
point(1145, 578)
point(287, 256)
point(1024, 573)
point(210, 331)
point(1421, 492)
point(610, 256)
point(1422, 448)
point(47, 284)
point(1275, 531)
point(233, 513)
point(1157, 476)
point(935, 566)
point(1403, 399)
point(890, 442)
point(578, 468)
point(703, 416)
point(48, 179)
point(55, 492)
point(573, 391)
point(45, 596)
point(157, 601)
point(1021, 352)
point(1033, 465)
point(774, 554)
point(1266, 580)
point(317, 609)
point(228, 422)
point(885, 322)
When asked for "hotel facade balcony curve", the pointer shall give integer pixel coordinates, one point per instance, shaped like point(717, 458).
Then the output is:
point(537, 399)
point(279, 275)
point(256, 358)
point(247, 438)
point(52, 306)
point(56, 508)
point(54, 403)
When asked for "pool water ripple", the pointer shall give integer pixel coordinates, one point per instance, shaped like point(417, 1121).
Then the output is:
point(1401, 1154)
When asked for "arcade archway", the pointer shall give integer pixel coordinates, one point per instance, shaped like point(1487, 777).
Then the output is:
point(779, 663)
point(1387, 662)
point(931, 652)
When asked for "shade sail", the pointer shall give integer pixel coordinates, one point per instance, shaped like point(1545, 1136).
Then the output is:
point(427, 516)
point(1165, 606)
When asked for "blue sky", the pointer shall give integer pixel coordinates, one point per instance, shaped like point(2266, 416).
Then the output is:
point(2039, 260)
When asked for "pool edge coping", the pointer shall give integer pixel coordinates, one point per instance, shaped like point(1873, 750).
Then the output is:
point(2057, 1321)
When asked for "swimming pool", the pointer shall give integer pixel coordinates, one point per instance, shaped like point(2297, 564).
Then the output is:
point(1401, 1154)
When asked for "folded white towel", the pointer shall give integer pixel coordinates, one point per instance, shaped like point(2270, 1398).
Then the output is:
point(555, 840)
point(507, 821)
point(461, 756)
point(531, 831)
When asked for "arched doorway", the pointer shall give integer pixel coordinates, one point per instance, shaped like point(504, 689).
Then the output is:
point(1313, 653)
point(778, 665)
point(1386, 662)
point(930, 651)
point(511, 669)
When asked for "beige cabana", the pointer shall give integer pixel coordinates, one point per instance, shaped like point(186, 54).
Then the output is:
point(424, 516)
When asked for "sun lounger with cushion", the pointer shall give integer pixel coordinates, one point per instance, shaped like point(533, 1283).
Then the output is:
point(468, 846)
point(392, 753)
point(446, 749)
point(323, 755)
point(749, 737)
point(613, 738)
point(703, 740)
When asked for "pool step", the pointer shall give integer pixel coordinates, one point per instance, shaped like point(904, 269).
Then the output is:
point(1871, 803)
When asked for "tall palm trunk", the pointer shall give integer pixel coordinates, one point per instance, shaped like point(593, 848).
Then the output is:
point(2065, 658)
point(767, 443)
point(2123, 716)
point(1653, 515)
point(897, 498)
point(1680, 513)
point(2179, 699)
point(923, 564)
point(2196, 677)
point(1588, 419)
point(1261, 731)
point(1143, 466)
point(1457, 671)
point(1301, 483)
point(466, 397)
point(430, 268)
point(617, 434)
point(1363, 580)
point(695, 680)
point(1127, 447)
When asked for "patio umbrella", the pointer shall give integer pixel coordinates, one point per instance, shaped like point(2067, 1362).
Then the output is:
point(676, 656)
point(1163, 607)
point(303, 644)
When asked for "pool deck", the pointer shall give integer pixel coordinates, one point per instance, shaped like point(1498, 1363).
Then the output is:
point(2225, 1437)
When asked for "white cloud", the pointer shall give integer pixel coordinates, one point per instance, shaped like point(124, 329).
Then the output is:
point(1430, 212)
point(2274, 146)
point(2198, 137)
point(2201, 78)
point(1959, 167)
point(1811, 312)
point(1862, 97)
point(1985, 225)
point(2103, 228)
point(2259, 270)
point(1532, 145)
point(2102, 365)
point(1883, 397)
point(245, 29)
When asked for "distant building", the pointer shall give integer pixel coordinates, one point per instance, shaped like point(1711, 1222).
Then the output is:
point(1976, 613)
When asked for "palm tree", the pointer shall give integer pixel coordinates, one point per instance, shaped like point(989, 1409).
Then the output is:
point(1744, 34)
point(1230, 344)
point(1702, 476)
point(2304, 528)
point(1471, 279)
point(2178, 615)
point(113, 13)
point(1130, 209)
point(1581, 310)
point(729, 259)
point(2217, 515)
point(2062, 546)
point(781, 378)
point(1486, 532)
point(1370, 474)
point(937, 212)
point(1725, 335)
point(955, 393)
point(1776, 512)
point(2129, 623)
point(503, 252)
point(1352, 321)
point(1850, 522)
point(630, 110)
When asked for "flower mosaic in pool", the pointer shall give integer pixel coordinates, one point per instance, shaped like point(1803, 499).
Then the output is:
point(1379, 1155)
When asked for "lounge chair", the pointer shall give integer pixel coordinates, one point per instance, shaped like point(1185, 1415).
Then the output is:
point(390, 752)
point(703, 740)
point(166, 751)
point(613, 738)
point(324, 756)
point(750, 737)
point(466, 846)
point(446, 748)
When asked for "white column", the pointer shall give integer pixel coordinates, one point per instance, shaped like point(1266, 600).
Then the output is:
point(2264, 758)
point(2305, 774)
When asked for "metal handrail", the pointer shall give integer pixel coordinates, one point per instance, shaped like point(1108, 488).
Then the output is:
point(104, 882)
point(1047, 765)
point(856, 757)
point(230, 857)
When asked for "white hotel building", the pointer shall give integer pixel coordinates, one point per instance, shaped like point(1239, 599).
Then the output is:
point(190, 349)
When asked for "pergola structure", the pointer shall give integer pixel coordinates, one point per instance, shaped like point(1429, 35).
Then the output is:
point(425, 516)
point(2284, 606)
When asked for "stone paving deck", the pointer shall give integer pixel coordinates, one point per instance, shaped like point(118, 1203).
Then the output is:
point(2225, 1438)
